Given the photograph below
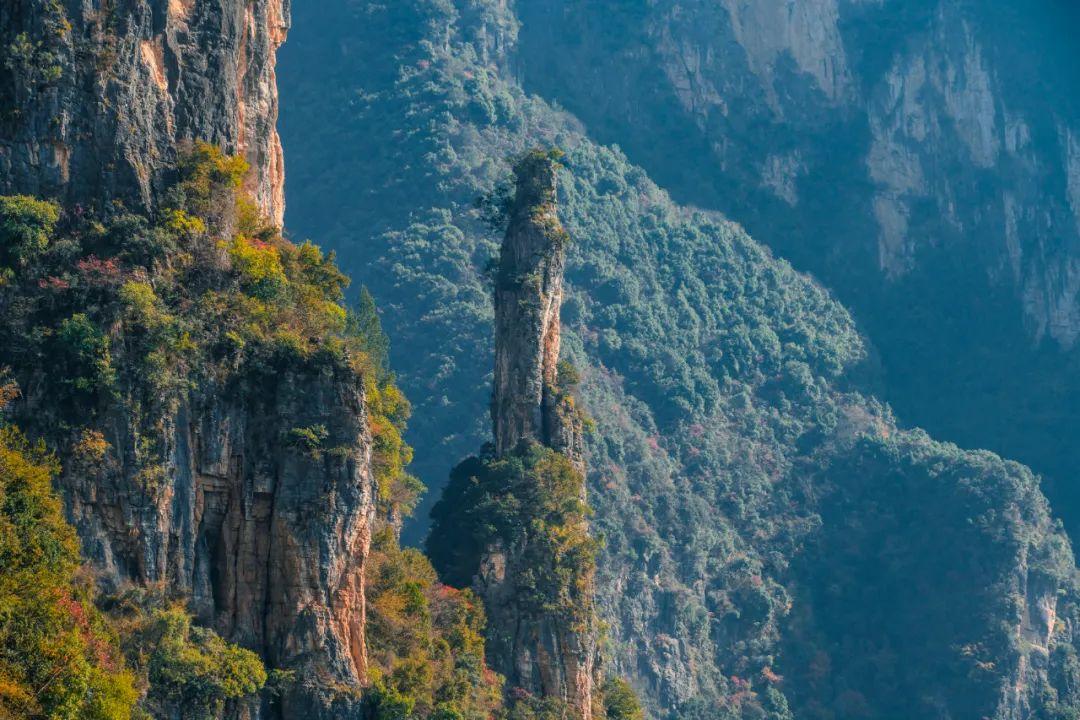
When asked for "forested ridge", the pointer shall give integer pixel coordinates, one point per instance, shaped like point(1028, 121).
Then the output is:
point(919, 158)
point(116, 320)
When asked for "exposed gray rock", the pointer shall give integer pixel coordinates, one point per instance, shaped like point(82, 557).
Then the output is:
point(266, 539)
point(99, 97)
point(528, 298)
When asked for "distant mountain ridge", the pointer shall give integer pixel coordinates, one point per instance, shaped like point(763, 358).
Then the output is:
point(919, 158)
point(223, 429)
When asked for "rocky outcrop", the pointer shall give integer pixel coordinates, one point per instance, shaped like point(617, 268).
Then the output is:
point(528, 298)
point(264, 536)
point(539, 654)
point(537, 650)
point(720, 380)
point(212, 497)
point(99, 97)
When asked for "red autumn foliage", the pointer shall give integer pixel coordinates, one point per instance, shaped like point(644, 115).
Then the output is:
point(771, 677)
point(53, 283)
point(103, 653)
point(98, 272)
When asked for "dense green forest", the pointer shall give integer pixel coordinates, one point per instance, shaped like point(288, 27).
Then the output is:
point(726, 390)
point(961, 113)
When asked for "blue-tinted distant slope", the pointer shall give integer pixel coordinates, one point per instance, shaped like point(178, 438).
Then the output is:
point(733, 451)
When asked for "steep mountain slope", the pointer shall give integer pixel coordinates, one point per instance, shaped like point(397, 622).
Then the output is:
point(166, 354)
point(751, 500)
point(227, 444)
point(195, 376)
point(919, 157)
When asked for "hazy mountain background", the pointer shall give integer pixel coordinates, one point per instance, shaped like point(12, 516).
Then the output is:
point(775, 542)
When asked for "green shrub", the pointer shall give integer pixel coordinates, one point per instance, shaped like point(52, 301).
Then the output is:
point(425, 640)
point(141, 242)
point(259, 266)
point(194, 669)
point(620, 700)
point(309, 440)
point(569, 377)
point(141, 304)
point(523, 706)
point(26, 225)
point(531, 498)
point(387, 703)
point(209, 183)
point(84, 348)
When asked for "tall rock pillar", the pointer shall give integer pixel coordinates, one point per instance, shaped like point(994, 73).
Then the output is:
point(542, 651)
point(528, 297)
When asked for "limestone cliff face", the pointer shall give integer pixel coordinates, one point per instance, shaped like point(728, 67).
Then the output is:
point(266, 539)
point(98, 97)
point(943, 145)
point(536, 651)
